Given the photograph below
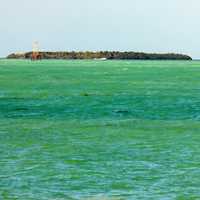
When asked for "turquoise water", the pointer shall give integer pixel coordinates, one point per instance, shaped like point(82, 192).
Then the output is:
point(99, 130)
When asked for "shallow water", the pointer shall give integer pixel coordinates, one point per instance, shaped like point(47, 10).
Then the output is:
point(99, 130)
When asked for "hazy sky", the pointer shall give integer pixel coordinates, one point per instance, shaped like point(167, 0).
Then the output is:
point(138, 25)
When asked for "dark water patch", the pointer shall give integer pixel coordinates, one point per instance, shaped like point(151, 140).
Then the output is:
point(122, 112)
point(21, 109)
point(85, 94)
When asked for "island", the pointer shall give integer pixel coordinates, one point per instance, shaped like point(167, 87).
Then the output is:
point(101, 55)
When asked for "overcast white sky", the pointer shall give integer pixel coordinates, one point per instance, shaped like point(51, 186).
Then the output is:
point(138, 25)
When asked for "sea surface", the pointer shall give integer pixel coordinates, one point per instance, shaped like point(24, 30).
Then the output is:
point(99, 130)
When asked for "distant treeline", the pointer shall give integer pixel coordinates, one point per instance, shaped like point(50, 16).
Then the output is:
point(111, 55)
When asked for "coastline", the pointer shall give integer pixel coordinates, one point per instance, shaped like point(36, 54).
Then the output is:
point(101, 55)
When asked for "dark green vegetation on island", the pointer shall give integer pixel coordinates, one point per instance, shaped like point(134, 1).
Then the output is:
point(110, 55)
point(89, 130)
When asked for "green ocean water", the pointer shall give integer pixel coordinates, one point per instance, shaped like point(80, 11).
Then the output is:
point(99, 130)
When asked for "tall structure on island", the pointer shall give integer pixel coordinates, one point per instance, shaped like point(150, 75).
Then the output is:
point(35, 51)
